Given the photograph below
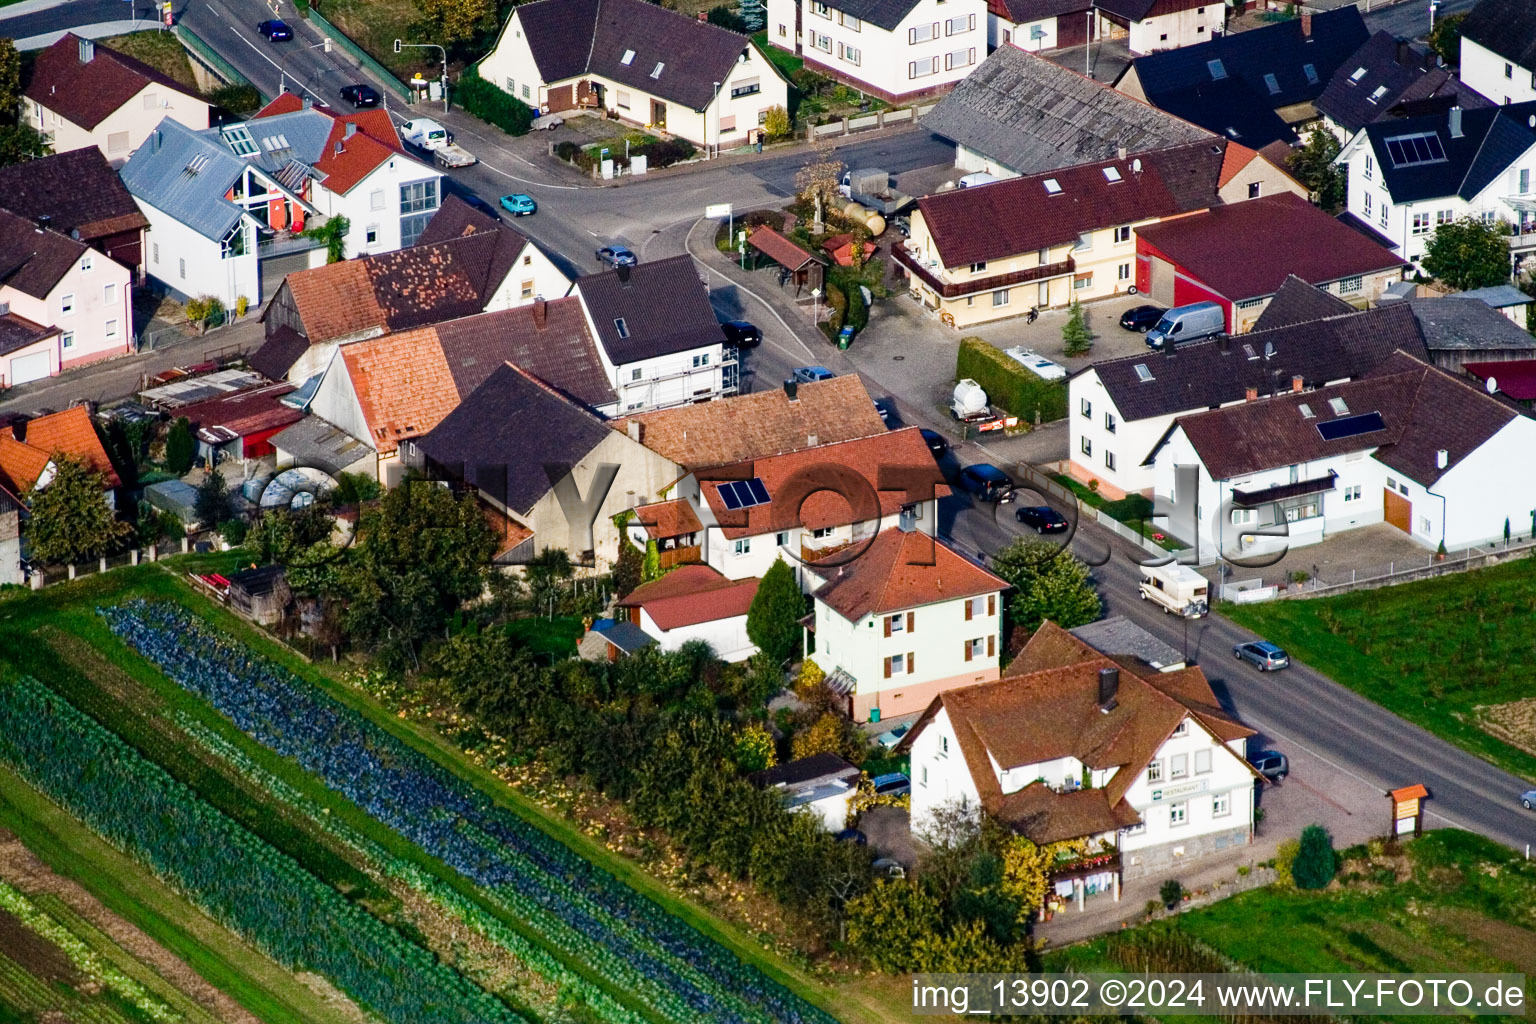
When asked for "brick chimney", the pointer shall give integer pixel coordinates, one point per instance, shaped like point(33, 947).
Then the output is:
point(540, 312)
point(1251, 395)
point(792, 390)
point(637, 431)
point(1306, 24)
point(1109, 688)
point(351, 129)
point(1296, 383)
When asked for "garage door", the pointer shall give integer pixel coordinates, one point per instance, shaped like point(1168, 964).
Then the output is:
point(1161, 275)
point(1397, 510)
point(32, 367)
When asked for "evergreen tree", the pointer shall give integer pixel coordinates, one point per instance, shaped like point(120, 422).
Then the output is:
point(1315, 863)
point(180, 447)
point(70, 518)
point(214, 504)
point(1075, 333)
point(773, 621)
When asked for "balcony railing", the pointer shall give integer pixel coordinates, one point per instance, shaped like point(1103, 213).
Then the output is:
point(285, 245)
point(956, 290)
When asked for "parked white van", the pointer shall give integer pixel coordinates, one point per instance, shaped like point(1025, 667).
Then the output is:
point(1178, 588)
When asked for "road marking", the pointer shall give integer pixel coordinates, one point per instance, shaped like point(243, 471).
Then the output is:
point(688, 248)
point(282, 75)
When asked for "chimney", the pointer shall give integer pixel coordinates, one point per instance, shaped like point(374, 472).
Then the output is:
point(1223, 344)
point(5, 309)
point(1455, 122)
point(540, 312)
point(907, 521)
point(1442, 459)
point(636, 431)
point(44, 221)
point(19, 428)
point(623, 272)
point(1306, 24)
point(1405, 54)
point(1296, 383)
point(351, 130)
point(1120, 153)
point(306, 102)
point(1109, 686)
point(1251, 395)
point(87, 51)
point(812, 440)
point(791, 389)
point(340, 149)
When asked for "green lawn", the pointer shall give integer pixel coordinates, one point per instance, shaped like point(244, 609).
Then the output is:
point(787, 61)
point(1435, 652)
point(1454, 902)
point(555, 637)
point(160, 50)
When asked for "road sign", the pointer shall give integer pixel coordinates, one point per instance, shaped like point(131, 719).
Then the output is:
point(714, 211)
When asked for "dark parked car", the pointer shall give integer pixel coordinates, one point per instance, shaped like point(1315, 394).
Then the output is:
point(1042, 518)
point(852, 835)
point(479, 204)
point(889, 415)
point(935, 442)
point(1141, 318)
point(742, 334)
point(987, 482)
point(361, 95)
point(617, 256)
point(276, 31)
point(1263, 655)
point(1271, 764)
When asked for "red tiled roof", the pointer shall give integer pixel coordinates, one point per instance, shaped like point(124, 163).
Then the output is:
point(778, 248)
point(668, 519)
point(403, 384)
point(900, 459)
point(359, 155)
point(86, 94)
point(898, 571)
point(691, 594)
point(70, 432)
point(1246, 250)
point(1515, 378)
point(1233, 160)
point(245, 412)
point(287, 103)
point(336, 300)
point(20, 464)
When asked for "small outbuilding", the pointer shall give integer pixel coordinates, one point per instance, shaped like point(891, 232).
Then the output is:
point(822, 784)
point(261, 595)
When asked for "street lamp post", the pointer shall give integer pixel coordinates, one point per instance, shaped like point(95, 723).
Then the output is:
point(716, 107)
point(444, 54)
point(282, 80)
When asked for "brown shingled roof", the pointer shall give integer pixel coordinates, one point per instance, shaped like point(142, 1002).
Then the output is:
point(86, 94)
point(665, 519)
point(78, 190)
point(403, 385)
point(900, 570)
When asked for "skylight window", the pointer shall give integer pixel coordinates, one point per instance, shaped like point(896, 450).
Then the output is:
point(1111, 174)
point(1142, 373)
point(1052, 187)
point(1359, 74)
point(620, 326)
point(628, 58)
point(238, 139)
point(1412, 150)
point(1249, 352)
point(1217, 70)
point(1376, 96)
point(1272, 84)
point(1311, 73)
point(197, 164)
point(1306, 411)
point(1339, 406)
point(656, 71)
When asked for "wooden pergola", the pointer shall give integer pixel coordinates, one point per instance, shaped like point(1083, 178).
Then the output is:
point(805, 268)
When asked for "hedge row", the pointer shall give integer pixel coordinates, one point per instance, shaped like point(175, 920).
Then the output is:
point(1008, 384)
point(489, 102)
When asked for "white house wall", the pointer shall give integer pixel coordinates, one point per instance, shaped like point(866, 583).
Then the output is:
point(533, 276)
point(511, 66)
point(1484, 489)
point(1181, 28)
point(1130, 442)
point(1228, 775)
point(189, 264)
point(885, 58)
point(1500, 80)
point(336, 402)
point(969, 161)
point(940, 777)
point(643, 476)
point(373, 204)
point(726, 637)
point(125, 129)
point(94, 328)
point(762, 550)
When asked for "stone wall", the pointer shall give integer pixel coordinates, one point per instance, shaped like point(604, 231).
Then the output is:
point(1162, 860)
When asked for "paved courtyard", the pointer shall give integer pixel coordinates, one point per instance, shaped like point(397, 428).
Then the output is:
point(1339, 558)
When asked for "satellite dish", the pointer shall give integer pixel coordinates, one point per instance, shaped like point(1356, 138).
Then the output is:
point(1531, 120)
point(1491, 384)
point(1136, 165)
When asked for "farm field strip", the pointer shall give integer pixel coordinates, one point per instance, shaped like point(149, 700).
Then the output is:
point(237, 878)
point(685, 975)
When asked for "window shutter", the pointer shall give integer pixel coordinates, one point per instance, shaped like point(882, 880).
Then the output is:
point(946, 62)
point(972, 59)
point(973, 25)
point(909, 663)
point(912, 69)
point(992, 646)
point(888, 667)
point(991, 604)
point(887, 625)
point(935, 34)
point(967, 644)
point(967, 609)
point(911, 621)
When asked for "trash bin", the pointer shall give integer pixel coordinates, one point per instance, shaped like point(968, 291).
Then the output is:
point(844, 336)
point(874, 714)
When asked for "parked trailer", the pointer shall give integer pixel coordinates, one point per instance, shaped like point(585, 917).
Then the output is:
point(453, 155)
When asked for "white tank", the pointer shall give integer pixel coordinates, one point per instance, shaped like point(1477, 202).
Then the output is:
point(969, 399)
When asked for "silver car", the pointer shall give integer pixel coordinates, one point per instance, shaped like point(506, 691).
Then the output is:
point(1262, 655)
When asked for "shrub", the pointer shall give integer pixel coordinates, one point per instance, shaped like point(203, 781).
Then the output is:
point(665, 152)
point(726, 17)
point(1171, 892)
point(241, 100)
point(493, 104)
point(1285, 858)
point(1008, 384)
point(233, 531)
point(180, 447)
point(837, 305)
point(1315, 863)
point(777, 124)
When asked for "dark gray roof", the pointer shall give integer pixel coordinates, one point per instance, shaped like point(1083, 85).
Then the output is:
point(1507, 27)
point(1280, 49)
point(1497, 295)
point(1468, 324)
point(575, 37)
point(1298, 302)
point(314, 442)
point(77, 190)
point(1119, 635)
point(805, 771)
point(1031, 115)
point(1019, 11)
point(886, 14)
point(279, 352)
point(664, 305)
point(34, 259)
point(558, 351)
point(1208, 374)
point(1490, 139)
point(17, 332)
point(1229, 107)
point(513, 439)
point(1384, 74)
point(626, 636)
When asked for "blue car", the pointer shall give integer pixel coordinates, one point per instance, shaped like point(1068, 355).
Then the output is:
point(519, 205)
point(894, 784)
point(617, 256)
point(1528, 800)
point(276, 31)
point(811, 374)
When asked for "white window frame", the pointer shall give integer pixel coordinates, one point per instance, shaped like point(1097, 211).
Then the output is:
point(67, 304)
point(1155, 770)
point(1178, 813)
point(109, 330)
point(1203, 761)
point(743, 546)
point(1221, 805)
point(1178, 766)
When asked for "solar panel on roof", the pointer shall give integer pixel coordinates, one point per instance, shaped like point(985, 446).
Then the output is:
point(728, 495)
point(739, 494)
point(759, 492)
point(1349, 426)
point(1412, 150)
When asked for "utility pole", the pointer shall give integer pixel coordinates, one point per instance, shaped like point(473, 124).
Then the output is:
point(1088, 44)
point(282, 80)
point(442, 52)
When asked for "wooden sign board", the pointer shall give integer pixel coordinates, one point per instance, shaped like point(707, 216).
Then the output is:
point(1408, 809)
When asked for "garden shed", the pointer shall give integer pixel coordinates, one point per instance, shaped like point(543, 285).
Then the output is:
point(261, 595)
point(175, 497)
point(804, 268)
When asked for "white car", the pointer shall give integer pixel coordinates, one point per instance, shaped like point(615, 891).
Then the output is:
point(1041, 366)
point(425, 133)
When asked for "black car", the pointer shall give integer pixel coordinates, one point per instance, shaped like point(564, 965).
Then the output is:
point(742, 334)
point(852, 835)
point(987, 482)
point(361, 95)
point(474, 201)
point(935, 442)
point(1043, 518)
point(277, 31)
point(1141, 318)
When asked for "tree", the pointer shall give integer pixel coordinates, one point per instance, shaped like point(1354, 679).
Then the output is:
point(1075, 333)
point(755, 749)
point(334, 234)
point(629, 570)
point(832, 733)
point(1313, 165)
point(650, 569)
point(1315, 862)
point(886, 923)
point(1171, 892)
point(776, 123)
point(1445, 39)
point(1026, 874)
point(817, 180)
point(773, 620)
point(70, 519)
point(10, 80)
point(1468, 253)
point(180, 447)
point(214, 504)
point(20, 143)
point(458, 21)
point(1050, 583)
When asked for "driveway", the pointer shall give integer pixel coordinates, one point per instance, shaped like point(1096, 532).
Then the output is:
point(1361, 553)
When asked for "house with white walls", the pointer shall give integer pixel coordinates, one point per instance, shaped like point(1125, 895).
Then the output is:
point(1410, 445)
point(1498, 50)
point(695, 603)
point(639, 63)
point(822, 785)
point(1410, 176)
point(1118, 409)
point(82, 94)
point(658, 335)
point(1142, 768)
point(898, 50)
point(907, 619)
point(816, 503)
point(62, 303)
